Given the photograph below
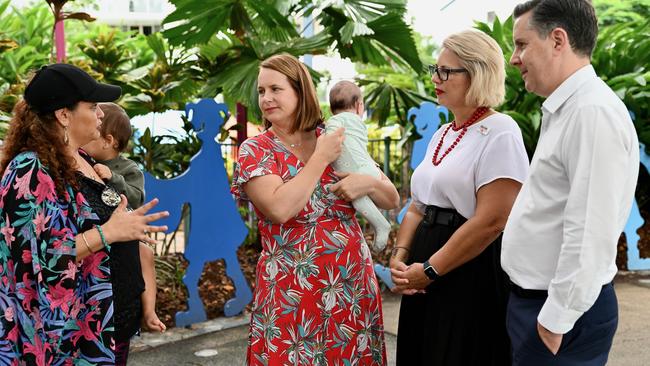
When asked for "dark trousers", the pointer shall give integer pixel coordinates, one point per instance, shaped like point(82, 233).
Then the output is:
point(122, 352)
point(587, 344)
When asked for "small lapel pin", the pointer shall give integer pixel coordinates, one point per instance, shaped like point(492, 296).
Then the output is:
point(483, 130)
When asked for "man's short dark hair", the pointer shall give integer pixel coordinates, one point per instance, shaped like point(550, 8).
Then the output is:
point(576, 17)
point(344, 95)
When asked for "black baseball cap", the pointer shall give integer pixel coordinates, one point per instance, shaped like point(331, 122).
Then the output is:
point(62, 85)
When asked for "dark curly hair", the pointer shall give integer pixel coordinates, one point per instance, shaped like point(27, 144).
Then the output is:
point(42, 134)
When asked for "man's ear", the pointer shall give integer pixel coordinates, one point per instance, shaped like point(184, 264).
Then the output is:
point(560, 39)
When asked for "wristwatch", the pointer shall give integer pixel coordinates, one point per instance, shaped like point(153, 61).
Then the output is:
point(430, 271)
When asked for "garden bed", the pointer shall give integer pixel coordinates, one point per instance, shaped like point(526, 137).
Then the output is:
point(215, 288)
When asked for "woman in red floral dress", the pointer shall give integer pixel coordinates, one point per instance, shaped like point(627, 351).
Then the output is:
point(316, 300)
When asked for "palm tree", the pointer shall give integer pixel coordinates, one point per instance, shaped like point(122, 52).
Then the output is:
point(234, 36)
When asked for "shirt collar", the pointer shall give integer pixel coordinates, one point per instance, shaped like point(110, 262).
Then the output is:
point(567, 88)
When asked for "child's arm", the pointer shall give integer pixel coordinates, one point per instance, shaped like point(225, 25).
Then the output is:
point(149, 318)
point(130, 182)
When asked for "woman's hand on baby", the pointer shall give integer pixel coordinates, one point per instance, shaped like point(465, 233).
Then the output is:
point(126, 225)
point(103, 171)
point(352, 186)
point(328, 146)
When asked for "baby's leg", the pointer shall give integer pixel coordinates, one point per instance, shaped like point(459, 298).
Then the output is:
point(355, 159)
point(367, 209)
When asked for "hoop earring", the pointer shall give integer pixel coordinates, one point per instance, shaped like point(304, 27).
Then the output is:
point(66, 138)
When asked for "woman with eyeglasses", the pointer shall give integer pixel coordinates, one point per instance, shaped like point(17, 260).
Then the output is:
point(446, 258)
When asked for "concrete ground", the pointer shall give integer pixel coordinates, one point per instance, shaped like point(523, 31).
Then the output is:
point(223, 341)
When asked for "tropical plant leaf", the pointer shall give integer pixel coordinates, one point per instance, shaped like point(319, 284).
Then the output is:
point(199, 20)
point(392, 40)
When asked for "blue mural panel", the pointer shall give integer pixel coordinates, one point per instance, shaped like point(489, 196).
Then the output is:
point(634, 260)
point(216, 229)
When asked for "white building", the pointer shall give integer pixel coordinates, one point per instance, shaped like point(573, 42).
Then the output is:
point(145, 16)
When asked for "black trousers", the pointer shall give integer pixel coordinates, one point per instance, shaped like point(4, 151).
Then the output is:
point(587, 344)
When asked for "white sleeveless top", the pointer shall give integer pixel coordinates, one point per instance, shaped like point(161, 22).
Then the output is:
point(491, 149)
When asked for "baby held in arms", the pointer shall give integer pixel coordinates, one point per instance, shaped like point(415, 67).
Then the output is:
point(347, 108)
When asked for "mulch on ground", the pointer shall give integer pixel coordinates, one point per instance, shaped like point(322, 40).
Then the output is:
point(215, 287)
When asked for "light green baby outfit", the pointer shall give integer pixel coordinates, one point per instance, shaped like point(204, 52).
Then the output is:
point(355, 159)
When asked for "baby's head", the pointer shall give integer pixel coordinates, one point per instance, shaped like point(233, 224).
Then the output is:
point(115, 133)
point(345, 96)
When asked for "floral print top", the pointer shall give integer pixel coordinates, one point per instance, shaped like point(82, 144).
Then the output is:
point(316, 300)
point(53, 311)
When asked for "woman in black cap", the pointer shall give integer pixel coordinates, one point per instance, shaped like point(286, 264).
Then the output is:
point(57, 222)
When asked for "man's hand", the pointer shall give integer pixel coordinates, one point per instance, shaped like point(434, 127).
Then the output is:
point(551, 340)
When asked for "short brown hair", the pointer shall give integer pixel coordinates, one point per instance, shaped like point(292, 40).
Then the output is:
point(576, 17)
point(308, 115)
point(344, 95)
point(117, 124)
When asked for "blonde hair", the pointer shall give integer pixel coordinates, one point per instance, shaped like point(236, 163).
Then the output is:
point(485, 64)
point(308, 114)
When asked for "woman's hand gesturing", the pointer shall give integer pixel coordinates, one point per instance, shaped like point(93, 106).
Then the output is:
point(133, 225)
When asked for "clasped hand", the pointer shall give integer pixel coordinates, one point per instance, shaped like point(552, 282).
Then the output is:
point(126, 225)
point(408, 280)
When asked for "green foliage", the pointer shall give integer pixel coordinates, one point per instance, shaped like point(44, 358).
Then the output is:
point(621, 60)
point(153, 75)
point(391, 90)
point(391, 94)
point(166, 156)
point(616, 11)
point(167, 84)
point(27, 45)
point(234, 36)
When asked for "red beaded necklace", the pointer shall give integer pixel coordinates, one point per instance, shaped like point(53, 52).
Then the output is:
point(478, 113)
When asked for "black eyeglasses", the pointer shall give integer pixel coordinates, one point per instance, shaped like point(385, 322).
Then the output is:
point(443, 72)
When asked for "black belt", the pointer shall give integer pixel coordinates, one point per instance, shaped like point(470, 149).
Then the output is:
point(442, 216)
point(532, 294)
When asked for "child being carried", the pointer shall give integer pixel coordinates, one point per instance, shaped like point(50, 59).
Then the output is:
point(347, 109)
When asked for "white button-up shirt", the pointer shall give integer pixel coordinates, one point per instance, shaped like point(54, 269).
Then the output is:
point(564, 227)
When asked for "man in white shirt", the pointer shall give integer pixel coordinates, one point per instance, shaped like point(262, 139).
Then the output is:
point(559, 245)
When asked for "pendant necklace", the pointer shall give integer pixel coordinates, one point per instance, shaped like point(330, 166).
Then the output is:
point(110, 196)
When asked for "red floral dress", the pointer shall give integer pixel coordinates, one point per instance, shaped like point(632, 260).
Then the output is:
point(316, 300)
